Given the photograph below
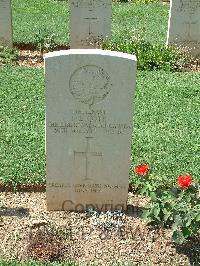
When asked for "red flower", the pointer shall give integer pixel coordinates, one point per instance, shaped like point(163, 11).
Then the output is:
point(141, 169)
point(184, 181)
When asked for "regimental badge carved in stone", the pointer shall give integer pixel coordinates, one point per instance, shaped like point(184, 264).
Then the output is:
point(90, 84)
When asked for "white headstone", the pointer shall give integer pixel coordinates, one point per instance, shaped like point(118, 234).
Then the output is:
point(89, 117)
point(90, 22)
point(5, 23)
point(184, 24)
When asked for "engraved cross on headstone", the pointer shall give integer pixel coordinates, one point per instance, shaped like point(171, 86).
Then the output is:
point(87, 154)
point(90, 20)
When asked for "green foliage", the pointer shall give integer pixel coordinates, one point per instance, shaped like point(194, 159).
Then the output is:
point(166, 123)
point(44, 40)
point(22, 157)
point(150, 56)
point(146, 186)
point(30, 15)
point(170, 205)
point(7, 56)
point(131, 19)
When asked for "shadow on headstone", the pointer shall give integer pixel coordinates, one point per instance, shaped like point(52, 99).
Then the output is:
point(191, 249)
point(20, 212)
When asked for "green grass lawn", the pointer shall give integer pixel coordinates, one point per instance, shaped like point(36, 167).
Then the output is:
point(166, 129)
point(32, 16)
point(166, 124)
point(22, 125)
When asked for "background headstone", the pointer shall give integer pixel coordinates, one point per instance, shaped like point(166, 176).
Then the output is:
point(5, 23)
point(89, 117)
point(90, 22)
point(184, 24)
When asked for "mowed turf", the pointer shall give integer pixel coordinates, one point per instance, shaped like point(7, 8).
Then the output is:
point(33, 19)
point(166, 124)
point(22, 125)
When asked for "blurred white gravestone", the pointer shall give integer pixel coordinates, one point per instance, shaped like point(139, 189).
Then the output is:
point(90, 22)
point(184, 25)
point(6, 23)
point(89, 117)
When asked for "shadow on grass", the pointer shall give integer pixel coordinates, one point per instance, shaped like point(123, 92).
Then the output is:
point(32, 47)
point(19, 212)
point(191, 249)
point(134, 211)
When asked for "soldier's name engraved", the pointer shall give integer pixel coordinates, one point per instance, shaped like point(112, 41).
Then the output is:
point(85, 122)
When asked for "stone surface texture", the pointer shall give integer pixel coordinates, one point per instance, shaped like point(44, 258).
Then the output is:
point(184, 25)
point(6, 23)
point(89, 117)
point(90, 22)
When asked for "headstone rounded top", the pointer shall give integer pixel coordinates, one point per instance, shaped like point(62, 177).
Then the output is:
point(90, 52)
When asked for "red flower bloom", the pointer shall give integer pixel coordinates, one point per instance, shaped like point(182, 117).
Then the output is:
point(184, 181)
point(141, 169)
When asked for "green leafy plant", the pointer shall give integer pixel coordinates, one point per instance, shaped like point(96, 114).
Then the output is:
point(151, 56)
point(145, 182)
point(172, 204)
point(7, 56)
point(43, 40)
